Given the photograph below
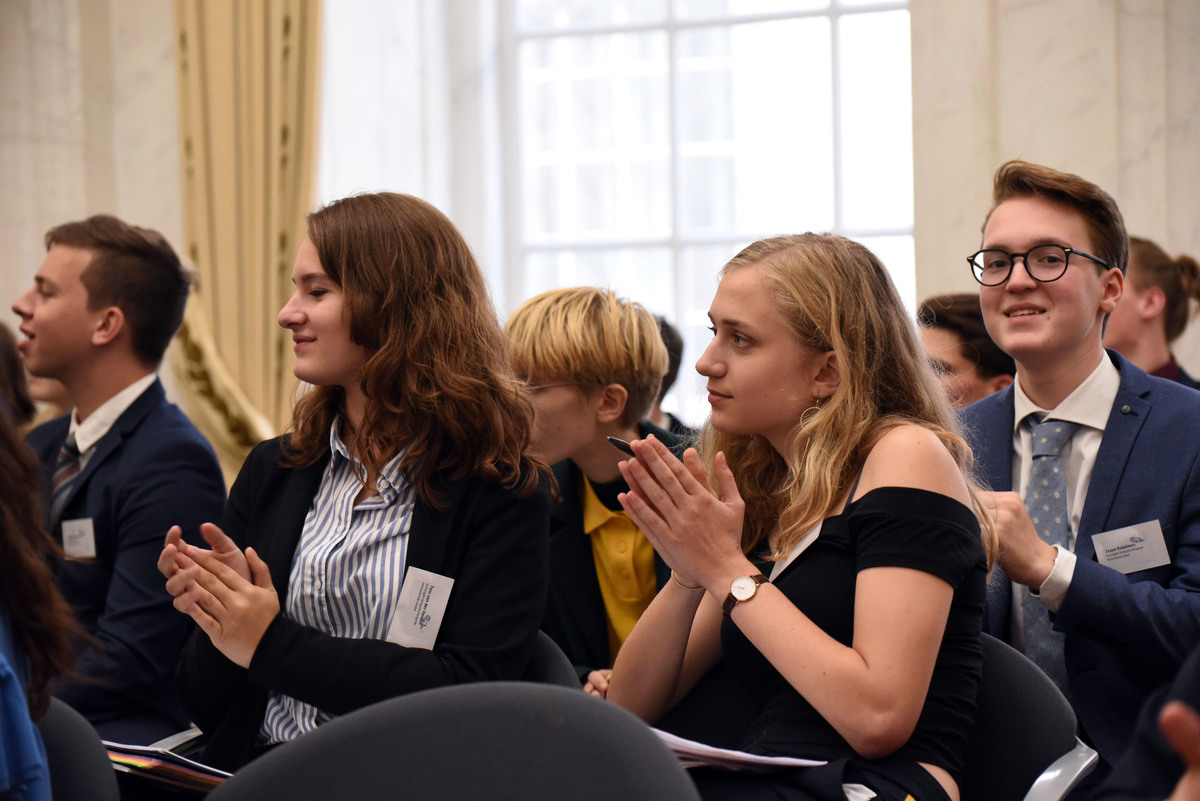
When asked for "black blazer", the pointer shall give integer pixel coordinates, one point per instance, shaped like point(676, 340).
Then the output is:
point(492, 543)
point(152, 470)
point(575, 617)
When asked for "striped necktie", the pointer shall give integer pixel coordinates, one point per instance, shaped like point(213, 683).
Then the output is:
point(66, 470)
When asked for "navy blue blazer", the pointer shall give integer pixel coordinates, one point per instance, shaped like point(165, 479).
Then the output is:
point(492, 543)
point(152, 470)
point(1125, 634)
point(575, 617)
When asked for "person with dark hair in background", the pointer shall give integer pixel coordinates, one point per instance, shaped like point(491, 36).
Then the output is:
point(403, 486)
point(1154, 311)
point(660, 418)
point(35, 622)
point(1095, 465)
point(119, 470)
point(962, 353)
point(15, 401)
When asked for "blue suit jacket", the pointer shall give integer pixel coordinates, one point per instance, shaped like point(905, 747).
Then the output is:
point(1125, 634)
point(152, 470)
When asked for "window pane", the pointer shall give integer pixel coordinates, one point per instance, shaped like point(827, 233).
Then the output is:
point(534, 15)
point(876, 129)
point(721, 8)
point(595, 142)
point(898, 256)
point(699, 270)
point(641, 274)
point(755, 128)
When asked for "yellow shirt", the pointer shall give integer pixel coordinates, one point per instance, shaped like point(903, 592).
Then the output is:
point(624, 566)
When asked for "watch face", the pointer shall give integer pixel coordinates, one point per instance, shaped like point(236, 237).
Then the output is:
point(743, 588)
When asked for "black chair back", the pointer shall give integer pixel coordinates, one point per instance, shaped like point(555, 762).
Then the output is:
point(1022, 725)
point(79, 766)
point(504, 741)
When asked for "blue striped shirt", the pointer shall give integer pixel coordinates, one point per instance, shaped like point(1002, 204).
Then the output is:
point(348, 569)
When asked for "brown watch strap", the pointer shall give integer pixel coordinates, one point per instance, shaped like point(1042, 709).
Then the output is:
point(731, 600)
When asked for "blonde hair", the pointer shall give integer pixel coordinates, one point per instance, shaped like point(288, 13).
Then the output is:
point(836, 296)
point(590, 337)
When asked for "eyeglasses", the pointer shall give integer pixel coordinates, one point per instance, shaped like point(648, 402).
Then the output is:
point(1045, 263)
point(531, 387)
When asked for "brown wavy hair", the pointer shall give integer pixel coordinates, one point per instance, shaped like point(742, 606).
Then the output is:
point(437, 377)
point(41, 621)
point(836, 296)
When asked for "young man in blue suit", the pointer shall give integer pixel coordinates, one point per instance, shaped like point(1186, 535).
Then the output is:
point(1101, 580)
point(121, 469)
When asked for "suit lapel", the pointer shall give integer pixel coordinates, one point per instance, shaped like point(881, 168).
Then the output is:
point(126, 424)
point(994, 441)
point(298, 494)
point(1125, 421)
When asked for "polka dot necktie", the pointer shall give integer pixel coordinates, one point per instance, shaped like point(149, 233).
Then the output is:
point(1046, 500)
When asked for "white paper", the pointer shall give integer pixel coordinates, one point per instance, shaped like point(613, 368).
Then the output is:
point(419, 613)
point(693, 754)
point(1132, 548)
point(79, 540)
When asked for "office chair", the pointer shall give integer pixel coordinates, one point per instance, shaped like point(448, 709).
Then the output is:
point(505, 741)
point(1023, 745)
point(549, 665)
point(79, 765)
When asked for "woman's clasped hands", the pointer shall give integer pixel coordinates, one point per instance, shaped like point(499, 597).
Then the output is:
point(227, 592)
point(697, 530)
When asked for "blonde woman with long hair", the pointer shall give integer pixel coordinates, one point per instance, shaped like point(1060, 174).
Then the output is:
point(826, 546)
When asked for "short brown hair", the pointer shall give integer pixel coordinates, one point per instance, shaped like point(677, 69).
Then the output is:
point(1018, 178)
point(136, 270)
point(960, 314)
point(1178, 278)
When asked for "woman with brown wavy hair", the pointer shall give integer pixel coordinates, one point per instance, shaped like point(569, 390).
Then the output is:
point(35, 621)
point(396, 539)
point(827, 547)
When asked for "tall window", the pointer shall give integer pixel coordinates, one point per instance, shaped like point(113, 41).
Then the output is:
point(650, 140)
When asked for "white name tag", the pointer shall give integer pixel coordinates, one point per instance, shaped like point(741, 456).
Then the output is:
point(79, 540)
point(1132, 548)
point(422, 605)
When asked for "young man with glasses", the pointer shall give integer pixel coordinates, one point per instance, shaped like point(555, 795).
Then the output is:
point(1100, 533)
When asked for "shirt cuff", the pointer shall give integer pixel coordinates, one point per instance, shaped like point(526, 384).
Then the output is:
point(1054, 588)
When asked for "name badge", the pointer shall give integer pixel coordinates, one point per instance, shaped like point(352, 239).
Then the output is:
point(1133, 548)
point(418, 616)
point(79, 540)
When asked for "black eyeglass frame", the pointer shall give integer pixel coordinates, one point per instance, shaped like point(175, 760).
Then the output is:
point(976, 269)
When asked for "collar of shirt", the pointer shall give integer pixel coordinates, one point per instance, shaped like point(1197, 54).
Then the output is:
point(390, 479)
point(595, 513)
point(1089, 404)
point(93, 429)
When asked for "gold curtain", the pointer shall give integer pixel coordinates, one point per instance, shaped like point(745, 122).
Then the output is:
point(248, 73)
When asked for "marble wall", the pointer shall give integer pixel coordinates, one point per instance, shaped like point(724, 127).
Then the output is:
point(88, 123)
point(1107, 89)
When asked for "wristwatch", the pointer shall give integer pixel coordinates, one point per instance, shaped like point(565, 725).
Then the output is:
point(741, 589)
